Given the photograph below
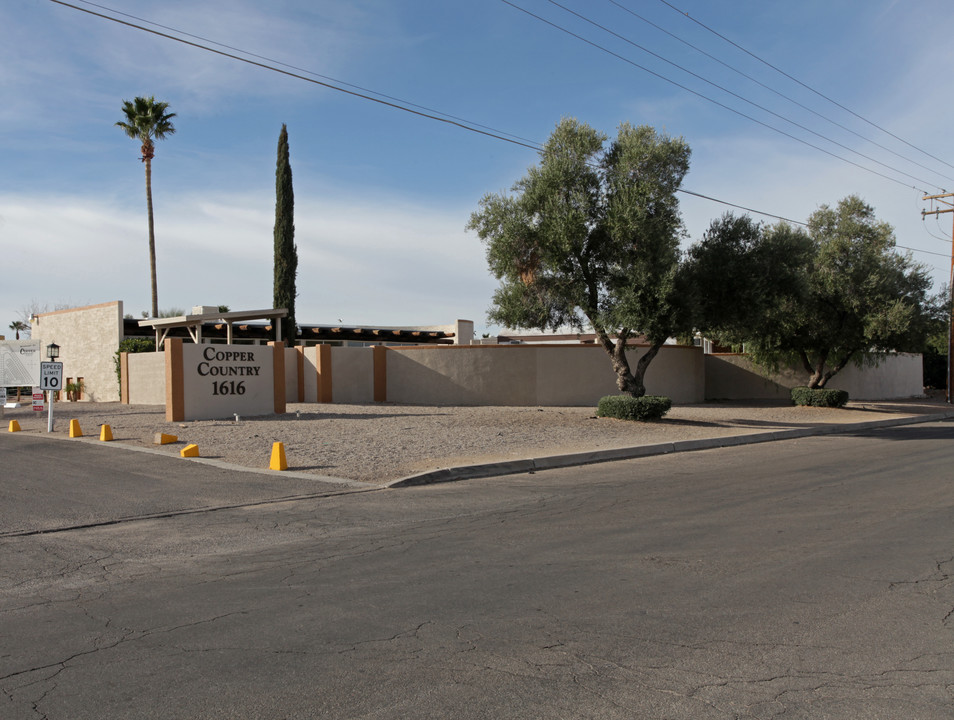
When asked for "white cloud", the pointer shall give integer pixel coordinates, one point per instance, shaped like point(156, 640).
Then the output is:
point(78, 54)
point(365, 261)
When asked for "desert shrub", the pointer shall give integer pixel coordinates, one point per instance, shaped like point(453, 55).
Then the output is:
point(819, 397)
point(627, 407)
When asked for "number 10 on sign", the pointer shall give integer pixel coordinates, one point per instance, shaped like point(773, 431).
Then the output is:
point(51, 379)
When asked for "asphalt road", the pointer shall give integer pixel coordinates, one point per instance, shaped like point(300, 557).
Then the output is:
point(800, 579)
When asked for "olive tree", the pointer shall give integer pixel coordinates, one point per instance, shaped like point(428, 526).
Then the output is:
point(819, 299)
point(590, 237)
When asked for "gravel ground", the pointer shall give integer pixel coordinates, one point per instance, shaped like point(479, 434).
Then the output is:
point(382, 442)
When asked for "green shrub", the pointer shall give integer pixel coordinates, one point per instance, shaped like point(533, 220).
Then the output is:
point(626, 407)
point(819, 397)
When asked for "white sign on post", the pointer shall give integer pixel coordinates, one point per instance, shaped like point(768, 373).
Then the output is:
point(51, 380)
point(51, 376)
point(19, 363)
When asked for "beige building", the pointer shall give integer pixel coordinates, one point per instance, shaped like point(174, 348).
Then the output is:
point(88, 338)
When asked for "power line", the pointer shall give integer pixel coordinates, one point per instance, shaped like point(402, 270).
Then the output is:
point(741, 207)
point(431, 114)
point(331, 86)
point(738, 96)
point(299, 69)
point(774, 90)
point(794, 222)
point(931, 234)
point(707, 98)
point(940, 229)
point(926, 252)
point(406, 106)
point(799, 82)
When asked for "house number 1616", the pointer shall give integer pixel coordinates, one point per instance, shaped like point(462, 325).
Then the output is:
point(228, 387)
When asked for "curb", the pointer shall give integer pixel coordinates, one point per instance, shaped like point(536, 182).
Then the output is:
point(552, 462)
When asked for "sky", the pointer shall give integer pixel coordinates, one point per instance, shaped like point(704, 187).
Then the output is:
point(786, 106)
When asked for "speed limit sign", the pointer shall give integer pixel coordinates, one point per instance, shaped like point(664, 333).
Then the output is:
point(51, 376)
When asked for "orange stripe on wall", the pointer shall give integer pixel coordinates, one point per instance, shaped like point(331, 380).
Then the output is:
point(380, 373)
point(124, 378)
point(323, 362)
point(175, 384)
point(301, 373)
point(278, 375)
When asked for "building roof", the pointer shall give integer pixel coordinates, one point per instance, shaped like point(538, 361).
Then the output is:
point(372, 334)
point(194, 324)
point(228, 326)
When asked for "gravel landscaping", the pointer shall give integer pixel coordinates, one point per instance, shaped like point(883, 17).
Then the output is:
point(382, 442)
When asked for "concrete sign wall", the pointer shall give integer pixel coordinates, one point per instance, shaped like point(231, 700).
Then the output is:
point(20, 363)
point(205, 382)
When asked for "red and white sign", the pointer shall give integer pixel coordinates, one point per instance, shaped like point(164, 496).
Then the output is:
point(37, 400)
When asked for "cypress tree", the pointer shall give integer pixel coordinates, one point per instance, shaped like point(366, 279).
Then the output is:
point(286, 252)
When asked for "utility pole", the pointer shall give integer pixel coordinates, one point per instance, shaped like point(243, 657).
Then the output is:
point(948, 200)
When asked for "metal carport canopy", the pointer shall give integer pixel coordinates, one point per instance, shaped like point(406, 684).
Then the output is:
point(193, 323)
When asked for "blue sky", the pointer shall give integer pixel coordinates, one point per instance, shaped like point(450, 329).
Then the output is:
point(383, 196)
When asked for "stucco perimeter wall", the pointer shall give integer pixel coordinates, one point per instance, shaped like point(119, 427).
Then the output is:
point(352, 373)
point(147, 378)
point(736, 377)
point(88, 338)
point(896, 376)
point(292, 381)
point(523, 375)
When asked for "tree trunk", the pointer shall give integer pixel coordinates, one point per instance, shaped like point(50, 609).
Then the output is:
point(617, 352)
point(627, 381)
point(818, 376)
point(147, 161)
point(816, 372)
point(642, 365)
point(836, 368)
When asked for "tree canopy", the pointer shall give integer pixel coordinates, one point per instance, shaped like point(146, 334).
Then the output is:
point(590, 237)
point(819, 298)
point(19, 326)
point(147, 120)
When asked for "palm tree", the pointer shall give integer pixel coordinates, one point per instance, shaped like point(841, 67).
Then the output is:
point(18, 326)
point(146, 121)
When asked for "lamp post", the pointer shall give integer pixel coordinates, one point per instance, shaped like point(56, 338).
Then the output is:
point(52, 352)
